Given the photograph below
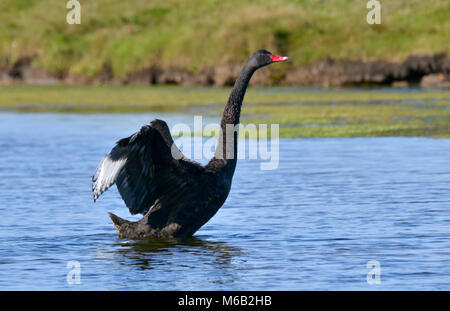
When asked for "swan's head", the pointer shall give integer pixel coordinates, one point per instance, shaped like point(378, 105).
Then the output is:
point(263, 58)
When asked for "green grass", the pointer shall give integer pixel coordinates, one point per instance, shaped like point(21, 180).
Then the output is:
point(194, 35)
point(300, 112)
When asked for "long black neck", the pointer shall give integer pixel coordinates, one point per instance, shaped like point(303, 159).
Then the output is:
point(232, 110)
point(228, 140)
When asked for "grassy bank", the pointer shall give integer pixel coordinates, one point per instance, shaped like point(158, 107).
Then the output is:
point(300, 112)
point(194, 35)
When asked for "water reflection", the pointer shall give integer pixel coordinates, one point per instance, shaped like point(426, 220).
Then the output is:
point(147, 253)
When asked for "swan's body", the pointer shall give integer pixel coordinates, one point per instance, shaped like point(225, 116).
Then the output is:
point(176, 195)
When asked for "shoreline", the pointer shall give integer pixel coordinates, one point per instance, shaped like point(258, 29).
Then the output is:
point(415, 70)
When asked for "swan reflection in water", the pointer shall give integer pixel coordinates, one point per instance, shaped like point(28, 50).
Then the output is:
point(154, 252)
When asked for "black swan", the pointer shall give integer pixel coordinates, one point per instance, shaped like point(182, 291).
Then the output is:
point(176, 195)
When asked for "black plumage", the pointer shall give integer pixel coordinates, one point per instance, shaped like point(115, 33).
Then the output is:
point(176, 195)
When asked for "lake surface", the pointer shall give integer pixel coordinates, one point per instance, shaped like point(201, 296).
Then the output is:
point(314, 223)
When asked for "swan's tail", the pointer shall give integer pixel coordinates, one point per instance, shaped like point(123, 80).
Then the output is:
point(117, 221)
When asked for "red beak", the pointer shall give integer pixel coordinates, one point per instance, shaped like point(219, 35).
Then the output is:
point(278, 58)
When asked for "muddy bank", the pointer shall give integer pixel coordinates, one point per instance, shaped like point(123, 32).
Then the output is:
point(423, 70)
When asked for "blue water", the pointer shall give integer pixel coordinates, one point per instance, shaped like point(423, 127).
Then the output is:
point(312, 224)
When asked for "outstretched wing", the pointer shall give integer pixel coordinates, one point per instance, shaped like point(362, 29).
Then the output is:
point(146, 167)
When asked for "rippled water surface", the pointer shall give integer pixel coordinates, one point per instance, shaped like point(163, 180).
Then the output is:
point(313, 223)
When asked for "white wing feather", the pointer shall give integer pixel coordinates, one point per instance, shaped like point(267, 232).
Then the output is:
point(106, 174)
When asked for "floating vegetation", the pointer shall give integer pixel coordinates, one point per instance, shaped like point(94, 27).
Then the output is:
point(300, 112)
